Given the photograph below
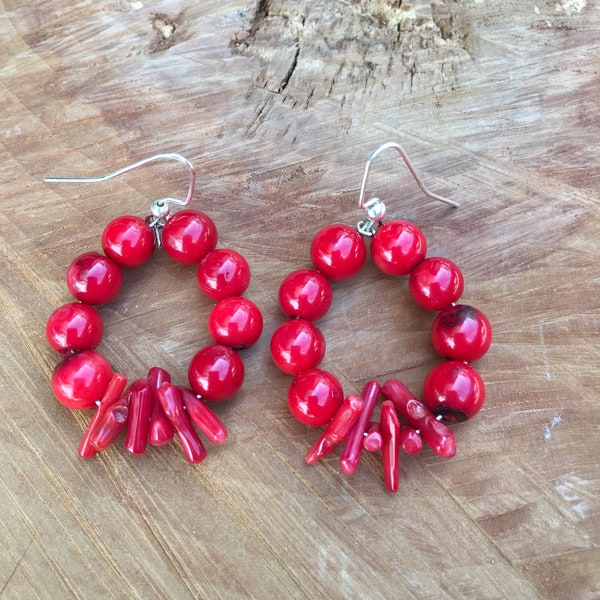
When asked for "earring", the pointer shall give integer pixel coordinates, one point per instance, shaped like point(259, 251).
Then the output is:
point(453, 390)
point(152, 409)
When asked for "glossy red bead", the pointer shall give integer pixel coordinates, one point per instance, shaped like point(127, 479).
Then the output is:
point(461, 332)
point(189, 236)
point(223, 273)
point(314, 397)
point(435, 283)
point(306, 294)
point(74, 326)
point(235, 322)
point(216, 372)
point(81, 380)
point(338, 251)
point(128, 240)
point(398, 247)
point(454, 390)
point(93, 278)
point(297, 345)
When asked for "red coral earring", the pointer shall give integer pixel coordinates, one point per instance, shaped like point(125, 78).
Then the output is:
point(153, 409)
point(453, 391)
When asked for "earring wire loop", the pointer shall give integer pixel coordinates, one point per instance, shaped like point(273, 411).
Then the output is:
point(361, 199)
point(161, 156)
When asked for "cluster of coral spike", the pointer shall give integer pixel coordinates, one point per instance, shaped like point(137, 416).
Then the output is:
point(153, 410)
point(453, 390)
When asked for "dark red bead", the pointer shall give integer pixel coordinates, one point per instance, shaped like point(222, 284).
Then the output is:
point(306, 294)
point(389, 425)
point(461, 332)
point(454, 390)
point(93, 278)
point(128, 240)
point(189, 236)
point(398, 247)
point(235, 322)
point(297, 345)
point(314, 397)
point(81, 380)
point(216, 372)
point(74, 326)
point(338, 251)
point(223, 273)
point(436, 283)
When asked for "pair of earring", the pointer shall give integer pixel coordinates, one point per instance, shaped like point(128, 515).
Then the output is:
point(153, 410)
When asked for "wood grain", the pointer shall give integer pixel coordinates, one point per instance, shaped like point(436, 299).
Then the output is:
point(278, 104)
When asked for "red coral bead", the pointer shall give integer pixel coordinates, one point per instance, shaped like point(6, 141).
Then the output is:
point(93, 278)
point(398, 247)
point(306, 294)
point(128, 240)
point(223, 273)
point(189, 236)
point(80, 380)
point(461, 332)
point(235, 322)
point(297, 345)
point(436, 283)
point(216, 372)
point(314, 397)
point(74, 326)
point(338, 251)
point(454, 390)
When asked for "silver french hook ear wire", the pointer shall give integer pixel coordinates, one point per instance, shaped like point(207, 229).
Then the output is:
point(159, 208)
point(375, 208)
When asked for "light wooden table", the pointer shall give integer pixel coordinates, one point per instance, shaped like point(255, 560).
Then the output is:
point(278, 105)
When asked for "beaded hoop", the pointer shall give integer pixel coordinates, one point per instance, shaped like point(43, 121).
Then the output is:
point(152, 409)
point(453, 390)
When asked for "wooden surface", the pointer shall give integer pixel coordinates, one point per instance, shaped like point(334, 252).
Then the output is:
point(278, 104)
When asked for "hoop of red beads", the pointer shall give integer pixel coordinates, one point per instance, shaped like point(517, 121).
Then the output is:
point(153, 409)
point(452, 391)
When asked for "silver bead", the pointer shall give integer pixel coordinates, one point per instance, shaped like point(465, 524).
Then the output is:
point(375, 209)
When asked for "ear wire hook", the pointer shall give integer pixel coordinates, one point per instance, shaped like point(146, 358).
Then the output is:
point(159, 208)
point(375, 207)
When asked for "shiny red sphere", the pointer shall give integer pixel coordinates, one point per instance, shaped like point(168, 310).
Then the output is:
point(216, 372)
point(128, 240)
point(398, 247)
point(235, 322)
point(338, 251)
point(436, 283)
point(73, 327)
point(80, 380)
point(314, 397)
point(189, 236)
point(306, 294)
point(93, 278)
point(223, 273)
point(297, 345)
point(461, 332)
point(454, 390)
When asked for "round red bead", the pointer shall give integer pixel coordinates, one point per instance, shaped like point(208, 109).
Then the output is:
point(306, 294)
point(454, 390)
point(128, 240)
point(189, 236)
point(74, 326)
point(461, 332)
point(398, 247)
point(216, 372)
point(338, 251)
point(93, 278)
point(436, 283)
point(314, 397)
point(223, 273)
point(297, 345)
point(235, 322)
point(80, 380)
